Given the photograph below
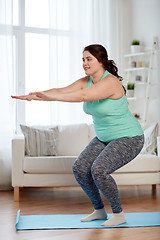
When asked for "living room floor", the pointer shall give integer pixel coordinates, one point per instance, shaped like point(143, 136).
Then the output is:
point(70, 200)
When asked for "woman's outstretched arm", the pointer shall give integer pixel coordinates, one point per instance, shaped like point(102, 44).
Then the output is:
point(107, 87)
point(77, 85)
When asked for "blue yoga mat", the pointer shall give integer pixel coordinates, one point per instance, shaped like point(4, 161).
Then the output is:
point(145, 219)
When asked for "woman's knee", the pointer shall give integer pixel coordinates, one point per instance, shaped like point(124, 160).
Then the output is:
point(75, 166)
point(96, 171)
point(78, 167)
point(100, 170)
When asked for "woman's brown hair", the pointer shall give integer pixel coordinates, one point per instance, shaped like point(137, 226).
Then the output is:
point(99, 52)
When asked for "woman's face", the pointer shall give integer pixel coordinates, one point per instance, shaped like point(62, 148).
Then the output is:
point(90, 63)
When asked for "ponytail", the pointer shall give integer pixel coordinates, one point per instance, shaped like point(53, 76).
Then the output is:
point(111, 67)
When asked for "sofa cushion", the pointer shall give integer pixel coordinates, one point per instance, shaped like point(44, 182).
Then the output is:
point(142, 163)
point(63, 164)
point(72, 139)
point(40, 141)
point(150, 135)
point(48, 165)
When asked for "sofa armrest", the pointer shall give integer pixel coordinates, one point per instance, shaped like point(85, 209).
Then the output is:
point(158, 146)
point(18, 151)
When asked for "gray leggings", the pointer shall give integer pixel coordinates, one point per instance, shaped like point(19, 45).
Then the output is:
point(97, 161)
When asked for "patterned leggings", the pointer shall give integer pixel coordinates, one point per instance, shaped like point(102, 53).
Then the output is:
point(97, 161)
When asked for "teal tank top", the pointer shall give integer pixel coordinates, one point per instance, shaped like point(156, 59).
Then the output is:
point(112, 118)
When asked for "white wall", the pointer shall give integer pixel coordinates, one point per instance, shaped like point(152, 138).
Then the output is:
point(145, 19)
point(138, 19)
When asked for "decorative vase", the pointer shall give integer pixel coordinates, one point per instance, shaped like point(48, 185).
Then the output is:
point(130, 93)
point(135, 48)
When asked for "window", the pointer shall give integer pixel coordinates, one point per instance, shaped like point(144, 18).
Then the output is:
point(49, 37)
point(37, 76)
point(36, 13)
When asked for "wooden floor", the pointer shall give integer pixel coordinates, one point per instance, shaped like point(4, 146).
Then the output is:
point(73, 200)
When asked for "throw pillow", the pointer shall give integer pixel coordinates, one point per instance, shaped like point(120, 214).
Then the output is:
point(40, 141)
point(150, 135)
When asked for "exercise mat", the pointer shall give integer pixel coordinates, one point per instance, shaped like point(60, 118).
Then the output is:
point(73, 221)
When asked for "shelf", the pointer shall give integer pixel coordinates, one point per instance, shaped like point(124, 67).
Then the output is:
point(135, 69)
point(141, 98)
point(145, 83)
point(137, 54)
point(131, 98)
point(148, 63)
point(135, 98)
point(140, 83)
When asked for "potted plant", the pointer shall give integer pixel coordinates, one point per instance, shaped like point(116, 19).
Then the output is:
point(135, 46)
point(130, 89)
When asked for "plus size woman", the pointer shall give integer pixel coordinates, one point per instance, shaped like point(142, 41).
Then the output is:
point(119, 136)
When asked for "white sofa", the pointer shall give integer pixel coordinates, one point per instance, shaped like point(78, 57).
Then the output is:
point(45, 171)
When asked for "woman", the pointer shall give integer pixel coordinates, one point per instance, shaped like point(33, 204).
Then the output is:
point(119, 136)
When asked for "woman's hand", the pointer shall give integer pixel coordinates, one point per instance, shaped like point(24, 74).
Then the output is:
point(35, 96)
point(43, 96)
point(26, 97)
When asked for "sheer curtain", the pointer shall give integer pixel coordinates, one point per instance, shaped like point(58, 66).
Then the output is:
point(77, 24)
point(70, 32)
point(6, 77)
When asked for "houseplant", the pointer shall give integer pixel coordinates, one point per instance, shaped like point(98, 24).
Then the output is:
point(135, 46)
point(130, 89)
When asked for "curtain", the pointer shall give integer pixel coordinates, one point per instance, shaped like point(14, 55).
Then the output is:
point(101, 22)
point(70, 31)
point(6, 80)
point(77, 24)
